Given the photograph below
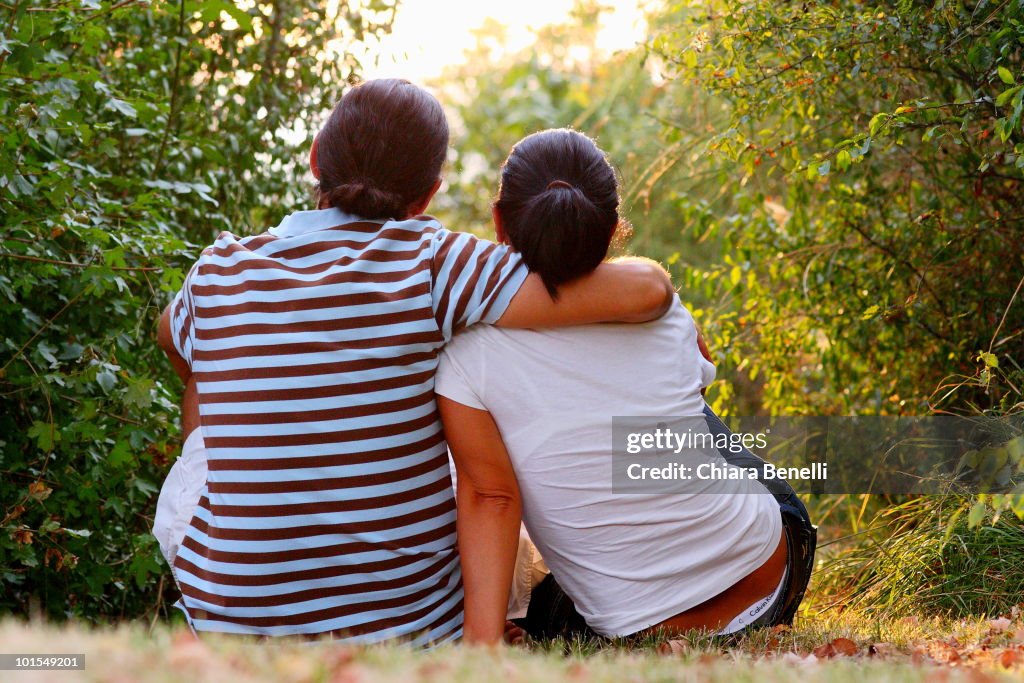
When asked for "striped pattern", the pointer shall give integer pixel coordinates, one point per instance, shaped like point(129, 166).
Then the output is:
point(328, 507)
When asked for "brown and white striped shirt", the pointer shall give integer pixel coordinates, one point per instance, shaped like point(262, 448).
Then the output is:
point(328, 507)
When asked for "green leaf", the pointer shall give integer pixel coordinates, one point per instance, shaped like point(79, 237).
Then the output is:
point(122, 107)
point(138, 394)
point(977, 514)
point(843, 160)
point(1004, 75)
point(106, 379)
point(877, 121)
point(80, 533)
point(1006, 96)
point(45, 434)
point(990, 359)
point(120, 454)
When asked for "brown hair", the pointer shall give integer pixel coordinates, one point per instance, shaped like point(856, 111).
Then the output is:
point(381, 150)
point(558, 202)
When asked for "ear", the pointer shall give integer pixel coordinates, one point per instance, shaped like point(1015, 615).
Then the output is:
point(419, 207)
point(313, 158)
point(499, 229)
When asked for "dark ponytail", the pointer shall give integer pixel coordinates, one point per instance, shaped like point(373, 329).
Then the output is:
point(558, 203)
point(381, 150)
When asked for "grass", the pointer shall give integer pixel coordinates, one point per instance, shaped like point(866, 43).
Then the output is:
point(926, 560)
point(889, 605)
point(896, 650)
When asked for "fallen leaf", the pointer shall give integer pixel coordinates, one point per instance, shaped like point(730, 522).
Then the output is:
point(1010, 658)
point(845, 647)
point(840, 647)
point(825, 651)
point(999, 625)
point(945, 653)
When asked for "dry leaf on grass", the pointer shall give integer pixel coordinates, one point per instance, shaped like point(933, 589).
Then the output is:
point(1010, 658)
point(944, 653)
point(840, 647)
point(999, 625)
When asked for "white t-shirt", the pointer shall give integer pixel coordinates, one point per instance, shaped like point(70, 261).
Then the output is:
point(628, 561)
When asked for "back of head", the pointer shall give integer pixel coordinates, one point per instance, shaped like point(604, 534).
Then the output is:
point(382, 149)
point(558, 204)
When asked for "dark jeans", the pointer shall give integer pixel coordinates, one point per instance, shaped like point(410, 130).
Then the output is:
point(552, 613)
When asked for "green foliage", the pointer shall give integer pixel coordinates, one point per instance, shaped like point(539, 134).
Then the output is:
point(937, 558)
point(131, 133)
point(879, 163)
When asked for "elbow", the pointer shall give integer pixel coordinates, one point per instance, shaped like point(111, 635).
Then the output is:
point(656, 294)
point(498, 501)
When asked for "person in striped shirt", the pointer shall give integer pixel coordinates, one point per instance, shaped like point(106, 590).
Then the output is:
point(325, 504)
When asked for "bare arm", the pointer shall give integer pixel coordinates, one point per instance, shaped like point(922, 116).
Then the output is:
point(166, 342)
point(489, 513)
point(628, 290)
point(190, 399)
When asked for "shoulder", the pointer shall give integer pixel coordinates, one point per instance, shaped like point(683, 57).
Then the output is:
point(426, 226)
point(228, 248)
point(461, 367)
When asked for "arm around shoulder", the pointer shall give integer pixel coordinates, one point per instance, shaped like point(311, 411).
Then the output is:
point(625, 290)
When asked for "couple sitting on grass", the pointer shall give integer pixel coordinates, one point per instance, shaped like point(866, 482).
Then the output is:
point(331, 362)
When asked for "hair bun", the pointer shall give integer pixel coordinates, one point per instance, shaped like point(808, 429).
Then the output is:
point(559, 184)
point(366, 200)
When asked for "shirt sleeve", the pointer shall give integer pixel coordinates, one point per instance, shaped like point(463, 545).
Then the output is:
point(182, 317)
point(473, 280)
point(452, 379)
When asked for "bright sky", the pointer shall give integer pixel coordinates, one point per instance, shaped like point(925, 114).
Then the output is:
point(431, 34)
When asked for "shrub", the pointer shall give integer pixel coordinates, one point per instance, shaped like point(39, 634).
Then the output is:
point(131, 132)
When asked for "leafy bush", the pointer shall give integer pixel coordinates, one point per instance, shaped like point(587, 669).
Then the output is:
point(131, 133)
point(874, 249)
point(873, 259)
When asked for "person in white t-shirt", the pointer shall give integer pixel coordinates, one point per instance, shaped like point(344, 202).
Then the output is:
point(528, 418)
